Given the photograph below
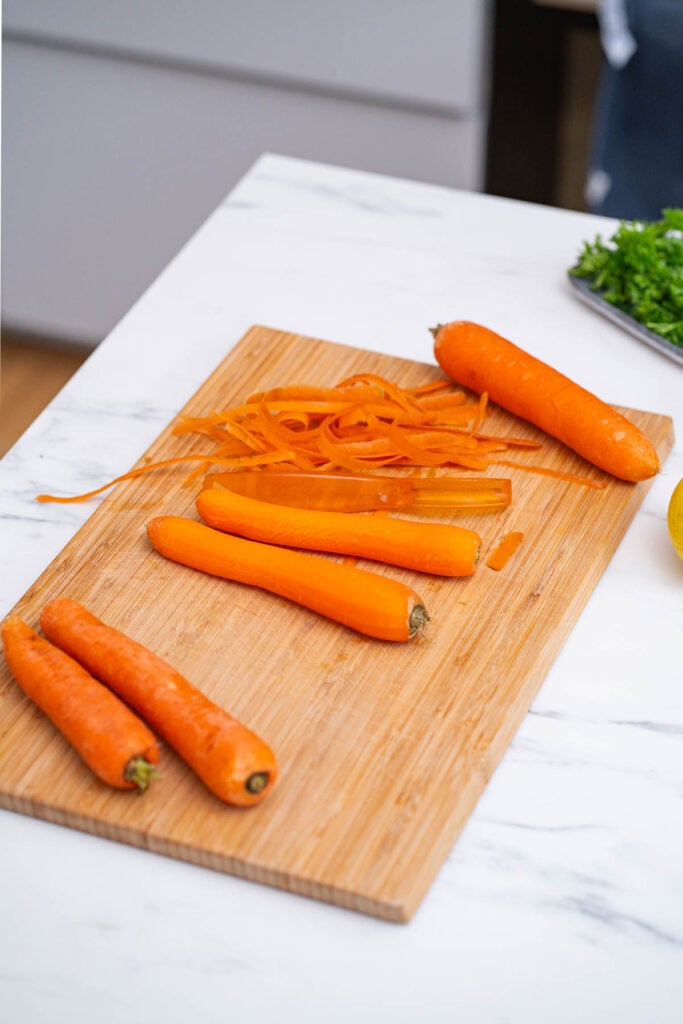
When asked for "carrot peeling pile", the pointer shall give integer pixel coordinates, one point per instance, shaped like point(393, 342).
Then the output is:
point(368, 602)
point(115, 744)
point(234, 763)
point(436, 548)
point(365, 422)
point(479, 359)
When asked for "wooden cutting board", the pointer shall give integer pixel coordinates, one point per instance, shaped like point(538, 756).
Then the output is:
point(384, 748)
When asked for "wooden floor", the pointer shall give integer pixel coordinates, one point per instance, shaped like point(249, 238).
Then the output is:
point(31, 374)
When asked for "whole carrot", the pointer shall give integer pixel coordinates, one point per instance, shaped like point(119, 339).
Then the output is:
point(428, 547)
point(112, 741)
point(232, 761)
point(376, 605)
point(483, 361)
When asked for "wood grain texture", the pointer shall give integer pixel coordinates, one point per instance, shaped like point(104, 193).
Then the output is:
point(30, 376)
point(384, 748)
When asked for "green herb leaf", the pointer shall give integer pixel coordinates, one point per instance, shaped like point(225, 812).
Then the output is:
point(640, 271)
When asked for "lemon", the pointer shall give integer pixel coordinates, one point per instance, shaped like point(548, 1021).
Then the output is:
point(674, 518)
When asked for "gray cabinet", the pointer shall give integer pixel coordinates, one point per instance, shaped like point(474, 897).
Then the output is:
point(125, 123)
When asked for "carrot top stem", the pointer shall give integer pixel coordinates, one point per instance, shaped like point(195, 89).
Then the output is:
point(141, 772)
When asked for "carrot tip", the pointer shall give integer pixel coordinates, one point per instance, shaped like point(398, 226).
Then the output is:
point(141, 772)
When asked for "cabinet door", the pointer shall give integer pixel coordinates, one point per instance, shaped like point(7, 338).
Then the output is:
point(424, 52)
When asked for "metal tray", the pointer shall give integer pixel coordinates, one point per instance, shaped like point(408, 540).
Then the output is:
point(583, 291)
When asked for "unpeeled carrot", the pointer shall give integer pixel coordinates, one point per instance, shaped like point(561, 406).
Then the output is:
point(234, 763)
point(427, 547)
point(110, 738)
point(483, 361)
point(372, 604)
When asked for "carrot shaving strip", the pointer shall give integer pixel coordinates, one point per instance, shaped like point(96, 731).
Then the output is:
point(310, 407)
point(557, 474)
point(509, 442)
point(200, 470)
point(469, 461)
point(359, 416)
point(432, 385)
point(441, 402)
point(482, 411)
point(394, 392)
point(249, 437)
point(270, 429)
point(198, 424)
point(299, 421)
point(444, 440)
point(372, 448)
point(412, 451)
point(237, 462)
point(308, 393)
point(338, 458)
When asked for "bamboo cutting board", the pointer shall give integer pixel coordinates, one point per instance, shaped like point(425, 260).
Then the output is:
point(384, 749)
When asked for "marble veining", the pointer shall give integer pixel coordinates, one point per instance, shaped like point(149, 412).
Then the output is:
point(562, 899)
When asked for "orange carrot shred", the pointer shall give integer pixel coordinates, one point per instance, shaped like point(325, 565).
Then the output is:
point(244, 460)
point(571, 478)
point(432, 385)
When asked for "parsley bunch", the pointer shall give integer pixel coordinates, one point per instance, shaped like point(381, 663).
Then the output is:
point(640, 271)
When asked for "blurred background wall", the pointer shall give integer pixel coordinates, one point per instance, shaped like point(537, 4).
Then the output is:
point(124, 124)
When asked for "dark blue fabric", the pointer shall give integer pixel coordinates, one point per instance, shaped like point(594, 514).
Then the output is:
point(638, 127)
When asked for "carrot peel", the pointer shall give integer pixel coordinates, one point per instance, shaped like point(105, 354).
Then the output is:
point(361, 424)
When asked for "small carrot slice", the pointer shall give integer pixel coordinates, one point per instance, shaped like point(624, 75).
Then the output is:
point(372, 604)
point(234, 763)
point(436, 548)
point(110, 738)
point(501, 555)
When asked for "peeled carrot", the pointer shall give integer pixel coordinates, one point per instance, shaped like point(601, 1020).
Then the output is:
point(112, 741)
point(427, 547)
point(483, 361)
point(232, 761)
point(375, 605)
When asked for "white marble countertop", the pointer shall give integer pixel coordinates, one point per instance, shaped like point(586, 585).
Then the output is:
point(562, 900)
